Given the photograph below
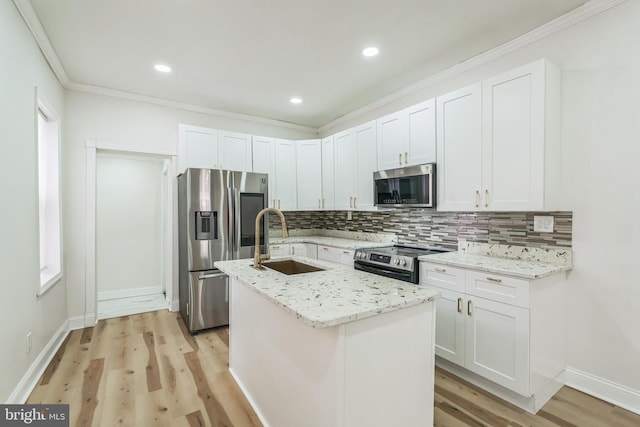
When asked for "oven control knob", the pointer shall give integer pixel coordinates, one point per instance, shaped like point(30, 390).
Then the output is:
point(396, 261)
point(403, 262)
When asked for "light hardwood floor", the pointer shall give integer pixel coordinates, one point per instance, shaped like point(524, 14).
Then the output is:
point(147, 370)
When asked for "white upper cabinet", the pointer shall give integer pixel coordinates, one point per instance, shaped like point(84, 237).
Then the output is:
point(498, 142)
point(366, 164)
point(345, 153)
point(459, 149)
point(263, 153)
point(355, 162)
point(520, 125)
point(328, 173)
point(234, 151)
point(309, 174)
point(407, 137)
point(197, 148)
point(285, 191)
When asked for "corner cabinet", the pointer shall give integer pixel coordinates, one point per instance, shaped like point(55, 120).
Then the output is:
point(498, 142)
point(407, 137)
point(507, 330)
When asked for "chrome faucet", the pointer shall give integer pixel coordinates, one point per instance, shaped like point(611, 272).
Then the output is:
point(258, 257)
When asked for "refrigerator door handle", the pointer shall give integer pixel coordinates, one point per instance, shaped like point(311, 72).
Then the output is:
point(231, 201)
point(210, 276)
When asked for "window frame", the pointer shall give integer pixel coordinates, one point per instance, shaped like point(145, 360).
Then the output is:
point(50, 245)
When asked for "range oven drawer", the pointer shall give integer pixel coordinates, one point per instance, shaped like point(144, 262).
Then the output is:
point(405, 276)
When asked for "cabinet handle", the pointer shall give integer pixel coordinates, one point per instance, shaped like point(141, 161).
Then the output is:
point(469, 308)
point(278, 203)
point(400, 159)
point(486, 198)
point(323, 203)
point(275, 247)
point(493, 279)
point(319, 204)
point(477, 199)
point(440, 270)
point(459, 305)
point(293, 250)
point(325, 248)
point(354, 202)
point(350, 202)
point(345, 252)
point(406, 158)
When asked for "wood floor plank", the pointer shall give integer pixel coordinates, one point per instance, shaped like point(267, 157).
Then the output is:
point(90, 384)
point(102, 373)
point(152, 368)
point(119, 409)
point(216, 413)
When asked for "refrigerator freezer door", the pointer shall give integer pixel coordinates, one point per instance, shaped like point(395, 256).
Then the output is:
point(209, 300)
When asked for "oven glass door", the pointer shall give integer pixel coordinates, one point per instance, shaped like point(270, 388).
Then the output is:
point(405, 276)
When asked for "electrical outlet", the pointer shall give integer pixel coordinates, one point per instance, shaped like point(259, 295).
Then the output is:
point(543, 224)
point(29, 342)
point(349, 216)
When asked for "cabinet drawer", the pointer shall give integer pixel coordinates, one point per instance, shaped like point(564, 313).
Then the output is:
point(341, 256)
point(442, 276)
point(498, 288)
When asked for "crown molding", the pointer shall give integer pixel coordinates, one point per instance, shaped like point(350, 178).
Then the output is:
point(97, 90)
point(33, 23)
point(577, 15)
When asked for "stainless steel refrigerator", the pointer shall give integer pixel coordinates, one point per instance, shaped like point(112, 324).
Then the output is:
point(217, 210)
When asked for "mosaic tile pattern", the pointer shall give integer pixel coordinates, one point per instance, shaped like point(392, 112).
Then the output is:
point(416, 226)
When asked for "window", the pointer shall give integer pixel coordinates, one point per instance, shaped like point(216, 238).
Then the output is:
point(49, 198)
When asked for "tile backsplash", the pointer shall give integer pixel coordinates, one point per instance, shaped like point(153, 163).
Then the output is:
point(415, 226)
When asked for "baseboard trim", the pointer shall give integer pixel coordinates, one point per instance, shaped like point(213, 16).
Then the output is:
point(616, 394)
point(174, 305)
point(80, 322)
point(128, 293)
point(32, 376)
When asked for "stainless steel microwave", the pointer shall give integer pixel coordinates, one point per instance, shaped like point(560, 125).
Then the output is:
point(411, 186)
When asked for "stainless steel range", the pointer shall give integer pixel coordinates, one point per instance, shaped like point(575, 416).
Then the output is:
point(397, 262)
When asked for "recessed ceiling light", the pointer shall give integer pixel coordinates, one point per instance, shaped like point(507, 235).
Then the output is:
point(162, 68)
point(295, 100)
point(370, 51)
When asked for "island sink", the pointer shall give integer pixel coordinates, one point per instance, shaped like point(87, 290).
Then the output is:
point(290, 266)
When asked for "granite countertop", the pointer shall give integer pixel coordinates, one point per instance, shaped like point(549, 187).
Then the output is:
point(338, 242)
point(517, 261)
point(332, 297)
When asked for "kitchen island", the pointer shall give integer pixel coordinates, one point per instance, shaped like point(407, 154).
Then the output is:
point(337, 347)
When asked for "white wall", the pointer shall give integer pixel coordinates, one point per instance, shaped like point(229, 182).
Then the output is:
point(124, 122)
point(129, 229)
point(600, 60)
point(22, 69)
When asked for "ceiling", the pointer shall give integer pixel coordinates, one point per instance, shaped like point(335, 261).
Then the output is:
point(251, 56)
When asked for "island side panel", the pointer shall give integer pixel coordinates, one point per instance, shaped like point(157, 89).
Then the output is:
point(291, 373)
point(389, 369)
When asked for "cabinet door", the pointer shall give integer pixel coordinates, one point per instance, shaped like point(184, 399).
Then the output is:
point(285, 171)
point(328, 171)
point(459, 149)
point(366, 164)
point(513, 139)
point(450, 319)
point(263, 153)
point(309, 174)
point(345, 256)
point(198, 147)
point(309, 250)
point(235, 151)
point(420, 133)
point(282, 249)
point(497, 343)
point(345, 170)
point(390, 141)
point(327, 253)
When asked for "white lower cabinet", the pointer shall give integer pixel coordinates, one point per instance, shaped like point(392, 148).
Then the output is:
point(506, 330)
point(338, 255)
point(281, 249)
point(309, 250)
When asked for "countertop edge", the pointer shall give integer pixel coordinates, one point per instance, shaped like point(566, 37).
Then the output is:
point(550, 268)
